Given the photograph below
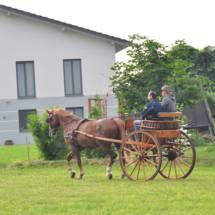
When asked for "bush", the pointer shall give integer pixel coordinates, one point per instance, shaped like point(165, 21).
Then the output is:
point(51, 148)
point(200, 142)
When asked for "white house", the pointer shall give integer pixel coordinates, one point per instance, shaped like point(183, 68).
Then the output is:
point(46, 62)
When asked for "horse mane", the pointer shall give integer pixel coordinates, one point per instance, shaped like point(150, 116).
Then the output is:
point(63, 113)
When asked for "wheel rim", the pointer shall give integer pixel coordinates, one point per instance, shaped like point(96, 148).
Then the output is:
point(177, 161)
point(144, 160)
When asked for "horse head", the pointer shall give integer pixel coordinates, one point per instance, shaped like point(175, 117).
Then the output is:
point(53, 123)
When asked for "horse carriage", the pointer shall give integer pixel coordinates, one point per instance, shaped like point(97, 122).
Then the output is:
point(158, 147)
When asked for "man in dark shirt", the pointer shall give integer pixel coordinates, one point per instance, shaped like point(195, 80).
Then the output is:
point(151, 110)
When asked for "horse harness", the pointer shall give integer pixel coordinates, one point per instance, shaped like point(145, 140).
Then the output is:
point(73, 133)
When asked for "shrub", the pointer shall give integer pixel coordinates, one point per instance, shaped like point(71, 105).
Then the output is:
point(200, 141)
point(51, 148)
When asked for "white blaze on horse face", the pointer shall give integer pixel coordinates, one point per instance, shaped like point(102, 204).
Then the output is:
point(108, 171)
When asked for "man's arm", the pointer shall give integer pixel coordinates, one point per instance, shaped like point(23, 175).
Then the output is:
point(165, 103)
point(145, 111)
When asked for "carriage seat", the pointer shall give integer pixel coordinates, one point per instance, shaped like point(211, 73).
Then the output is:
point(157, 123)
point(167, 124)
point(169, 114)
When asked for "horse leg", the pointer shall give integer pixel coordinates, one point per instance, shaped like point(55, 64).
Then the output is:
point(69, 157)
point(106, 147)
point(78, 159)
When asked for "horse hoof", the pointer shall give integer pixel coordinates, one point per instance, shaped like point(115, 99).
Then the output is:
point(110, 176)
point(79, 177)
point(72, 174)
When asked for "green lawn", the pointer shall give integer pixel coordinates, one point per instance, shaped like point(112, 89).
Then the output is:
point(202, 153)
point(48, 189)
point(51, 191)
point(15, 153)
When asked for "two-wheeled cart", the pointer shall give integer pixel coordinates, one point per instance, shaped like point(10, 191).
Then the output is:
point(159, 146)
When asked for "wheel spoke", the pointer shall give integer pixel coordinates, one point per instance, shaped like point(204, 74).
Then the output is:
point(129, 150)
point(136, 140)
point(138, 170)
point(128, 157)
point(186, 149)
point(182, 144)
point(170, 168)
point(184, 162)
point(142, 141)
point(148, 167)
point(164, 166)
point(164, 159)
point(134, 167)
point(133, 146)
point(151, 149)
point(131, 162)
point(175, 170)
point(152, 162)
point(188, 156)
point(153, 155)
point(144, 170)
point(146, 144)
point(180, 166)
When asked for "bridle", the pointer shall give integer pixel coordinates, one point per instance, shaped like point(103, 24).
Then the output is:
point(57, 128)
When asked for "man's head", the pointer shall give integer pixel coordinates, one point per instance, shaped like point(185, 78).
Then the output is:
point(152, 95)
point(165, 90)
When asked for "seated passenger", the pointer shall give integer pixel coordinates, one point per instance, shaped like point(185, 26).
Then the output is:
point(169, 101)
point(151, 110)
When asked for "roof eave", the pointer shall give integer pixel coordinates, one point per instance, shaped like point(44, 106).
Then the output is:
point(120, 44)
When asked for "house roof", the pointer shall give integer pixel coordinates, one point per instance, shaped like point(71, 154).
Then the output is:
point(120, 44)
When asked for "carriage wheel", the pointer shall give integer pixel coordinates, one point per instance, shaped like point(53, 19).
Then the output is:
point(140, 165)
point(178, 161)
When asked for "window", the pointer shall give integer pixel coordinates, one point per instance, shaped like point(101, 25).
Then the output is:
point(78, 111)
point(72, 77)
point(23, 119)
point(25, 79)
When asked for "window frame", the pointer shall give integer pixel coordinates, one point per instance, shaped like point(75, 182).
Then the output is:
point(24, 130)
point(71, 95)
point(82, 108)
point(25, 97)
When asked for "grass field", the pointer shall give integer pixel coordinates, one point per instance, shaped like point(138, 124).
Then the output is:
point(51, 191)
point(15, 153)
point(48, 189)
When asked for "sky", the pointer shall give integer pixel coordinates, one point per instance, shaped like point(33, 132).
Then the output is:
point(165, 21)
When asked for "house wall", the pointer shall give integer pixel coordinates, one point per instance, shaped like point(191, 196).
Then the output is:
point(25, 39)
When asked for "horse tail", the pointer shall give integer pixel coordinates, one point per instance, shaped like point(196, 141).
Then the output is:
point(122, 134)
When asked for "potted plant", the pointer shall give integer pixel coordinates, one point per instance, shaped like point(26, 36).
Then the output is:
point(8, 142)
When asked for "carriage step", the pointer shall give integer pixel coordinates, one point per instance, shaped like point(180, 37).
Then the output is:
point(115, 159)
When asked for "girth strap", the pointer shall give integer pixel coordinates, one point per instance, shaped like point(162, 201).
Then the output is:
point(73, 135)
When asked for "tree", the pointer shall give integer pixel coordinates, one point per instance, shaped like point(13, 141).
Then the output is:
point(152, 65)
point(96, 110)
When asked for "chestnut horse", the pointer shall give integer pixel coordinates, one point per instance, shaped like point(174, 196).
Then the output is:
point(105, 128)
